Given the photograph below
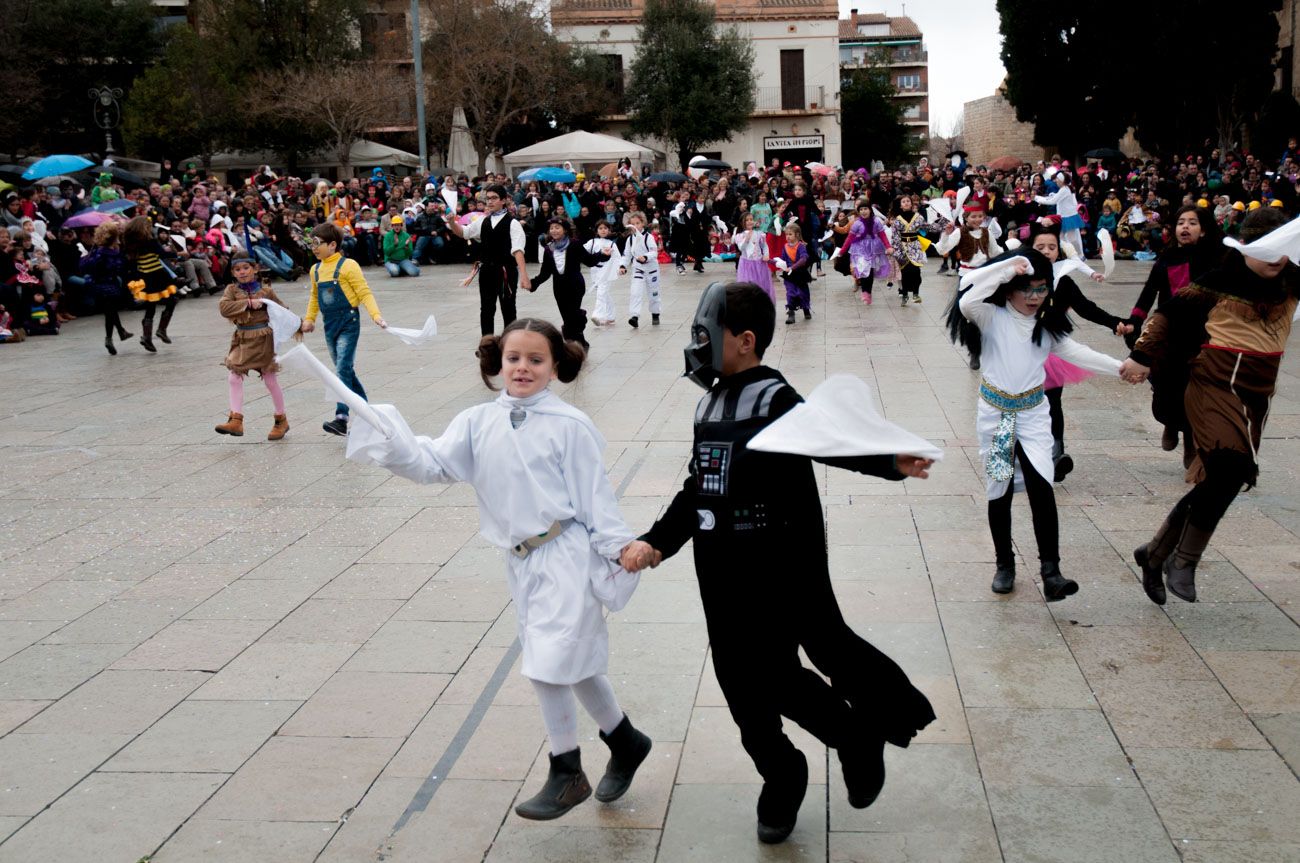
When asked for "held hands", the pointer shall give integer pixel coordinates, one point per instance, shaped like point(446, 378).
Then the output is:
point(914, 466)
point(1133, 371)
point(1099, 277)
point(622, 271)
point(1123, 329)
point(637, 555)
point(308, 326)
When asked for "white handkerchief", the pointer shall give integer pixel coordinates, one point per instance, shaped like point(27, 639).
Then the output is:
point(416, 338)
point(449, 195)
point(840, 419)
point(1107, 252)
point(1272, 247)
point(303, 360)
point(284, 323)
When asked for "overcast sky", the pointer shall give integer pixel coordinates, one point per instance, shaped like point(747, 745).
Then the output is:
point(964, 44)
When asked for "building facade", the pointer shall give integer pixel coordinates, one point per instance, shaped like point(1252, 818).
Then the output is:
point(989, 129)
point(875, 40)
point(797, 86)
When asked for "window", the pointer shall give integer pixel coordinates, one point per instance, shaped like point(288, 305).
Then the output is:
point(912, 112)
point(792, 80)
point(909, 82)
point(384, 37)
point(873, 29)
point(614, 63)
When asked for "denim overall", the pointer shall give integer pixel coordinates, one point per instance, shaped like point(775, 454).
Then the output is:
point(342, 329)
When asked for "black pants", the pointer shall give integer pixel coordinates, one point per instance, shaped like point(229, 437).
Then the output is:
point(496, 282)
point(1042, 504)
point(910, 282)
point(569, 300)
point(864, 285)
point(1056, 414)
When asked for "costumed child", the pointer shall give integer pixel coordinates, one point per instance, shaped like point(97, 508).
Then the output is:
point(1067, 208)
point(1009, 303)
point(868, 249)
point(909, 248)
point(537, 467)
point(148, 280)
point(252, 346)
point(641, 256)
point(793, 262)
point(604, 272)
point(971, 242)
point(337, 288)
point(755, 519)
point(1067, 296)
point(751, 247)
point(1229, 328)
point(562, 259)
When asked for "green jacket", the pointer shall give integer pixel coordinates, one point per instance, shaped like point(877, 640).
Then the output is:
point(397, 247)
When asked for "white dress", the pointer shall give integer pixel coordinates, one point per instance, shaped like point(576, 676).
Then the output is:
point(603, 276)
point(549, 469)
point(1010, 361)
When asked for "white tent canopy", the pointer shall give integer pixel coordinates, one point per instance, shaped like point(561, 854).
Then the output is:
point(579, 147)
point(365, 153)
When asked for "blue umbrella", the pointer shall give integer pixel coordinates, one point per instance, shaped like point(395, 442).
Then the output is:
point(52, 165)
point(118, 206)
point(548, 174)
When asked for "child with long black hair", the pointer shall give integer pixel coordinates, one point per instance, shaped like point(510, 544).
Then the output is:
point(905, 228)
point(1009, 306)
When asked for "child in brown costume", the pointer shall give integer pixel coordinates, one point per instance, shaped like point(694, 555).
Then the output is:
point(252, 347)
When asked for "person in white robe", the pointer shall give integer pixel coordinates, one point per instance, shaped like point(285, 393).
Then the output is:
point(603, 274)
point(537, 468)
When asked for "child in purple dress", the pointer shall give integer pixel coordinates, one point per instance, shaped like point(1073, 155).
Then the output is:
point(792, 261)
point(868, 248)
point(751, 248)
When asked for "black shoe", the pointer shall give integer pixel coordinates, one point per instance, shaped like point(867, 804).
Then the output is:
point(123, 335)
point(1152, 580)
point(1056, 586)
point(699, 268)
point(338, 426)
point(162, 336)
point(1004, 580)
point(627, 749)
point(146, 337)
point(108, 345)
point(864, 771)
point(654, 320)
point(943, 268)
point(807, 314)
point(1064, 465)
point(789, 316)
point(974, 364)
point(633, 322)
point(566, 786)
point(778, 804)
point(1181, 580)
point(1169, 439)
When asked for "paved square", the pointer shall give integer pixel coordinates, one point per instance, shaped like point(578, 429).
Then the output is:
point(229, 649)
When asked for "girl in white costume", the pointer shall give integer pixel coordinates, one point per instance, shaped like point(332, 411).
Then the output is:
point(1067, 207)
point(641, 256)
point(536, 464)
point(1010, 302)
point(603, 274)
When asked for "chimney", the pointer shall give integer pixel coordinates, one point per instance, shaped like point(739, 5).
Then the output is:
point(853, 13)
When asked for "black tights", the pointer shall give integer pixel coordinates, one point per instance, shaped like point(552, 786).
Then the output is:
point(1057, 415)
point(1226, 471)
point(168, 305)
point(1042, 503)
point(112, 322)
point(864, 285)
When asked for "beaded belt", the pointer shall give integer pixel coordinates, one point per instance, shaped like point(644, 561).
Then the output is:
point(1005, 401)
point(525, 548)
point(1000, 463)
point(251, 326)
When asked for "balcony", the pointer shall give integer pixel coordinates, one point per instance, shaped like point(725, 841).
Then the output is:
point(858, 58)
point(780, 100)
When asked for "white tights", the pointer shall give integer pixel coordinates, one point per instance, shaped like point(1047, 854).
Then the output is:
point(561, 716)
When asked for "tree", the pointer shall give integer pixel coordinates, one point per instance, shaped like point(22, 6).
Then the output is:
point(342, 100)
point(186, 104)
point(690, 83)
point(515, 81)
point(871, 118)
point(66, 47)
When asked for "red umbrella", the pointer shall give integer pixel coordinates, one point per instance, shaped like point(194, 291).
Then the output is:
point(1005, 163)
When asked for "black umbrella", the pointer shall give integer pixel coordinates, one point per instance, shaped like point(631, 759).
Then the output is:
point(668, 177)
point(1104, 153)
point(12, 174)
point(713, 164)
point(121, 176)
point(961, 153)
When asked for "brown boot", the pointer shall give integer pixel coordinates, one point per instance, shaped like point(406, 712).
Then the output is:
point(1180, 568)
point(280, 429)
point(233, 426)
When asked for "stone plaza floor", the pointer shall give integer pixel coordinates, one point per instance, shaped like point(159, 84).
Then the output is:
point(219, 649)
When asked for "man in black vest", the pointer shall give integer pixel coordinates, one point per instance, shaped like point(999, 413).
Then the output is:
point(501, 272)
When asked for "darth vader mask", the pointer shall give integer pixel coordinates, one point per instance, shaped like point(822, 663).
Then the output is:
point(704, 353)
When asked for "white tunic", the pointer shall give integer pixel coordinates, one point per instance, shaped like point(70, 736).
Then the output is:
point(1010, 361)
point(549, 469)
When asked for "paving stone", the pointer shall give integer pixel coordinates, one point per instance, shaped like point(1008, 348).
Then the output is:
point(929, 788)
point(121, 621)
point(1103, 825)
point(45, 671)
point(525, 841)
point(1047, 747)
point(377, 581)
point(271, 672)
point(326, 621)
point(240, 841)
point(1176, 713)
point(40, 767)
point(1135, 653)
point(203, 737)
point(111, 816)
point(117, 702)
point(418, 646)
point(194, 645)
point(713, 754)
point(1259, 681)
point(914, 848)
point(367, 704)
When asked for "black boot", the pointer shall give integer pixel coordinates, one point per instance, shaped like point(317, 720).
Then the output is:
point(633, 322)
point(789, 316)
point(627, 749)
point(1063, 463)
point(162, 325)
point(864, 771)
point(779, 802)
point(807, 314)
point(108, 345)
point(974, 363)
point(566, 786)
point(1169, 439)
point(1152, 556)
point(146, 336)
point(1004, 580)
point(1056, 586)
point(1180, 568)
point(122, 334)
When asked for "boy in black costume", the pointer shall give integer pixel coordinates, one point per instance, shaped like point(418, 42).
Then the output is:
point(760, 557)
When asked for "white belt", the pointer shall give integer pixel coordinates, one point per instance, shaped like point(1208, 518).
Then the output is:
point(525, 548)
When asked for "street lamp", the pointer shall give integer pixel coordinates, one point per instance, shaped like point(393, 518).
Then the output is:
point(106, 111)
point(416, 51)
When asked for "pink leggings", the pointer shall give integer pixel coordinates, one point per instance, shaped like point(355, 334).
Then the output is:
point(237, 392)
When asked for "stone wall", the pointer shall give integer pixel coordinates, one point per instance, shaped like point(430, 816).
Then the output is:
point(990, 129)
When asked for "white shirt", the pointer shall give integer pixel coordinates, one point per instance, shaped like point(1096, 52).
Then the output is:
point(641, 245)
point(475, 228)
